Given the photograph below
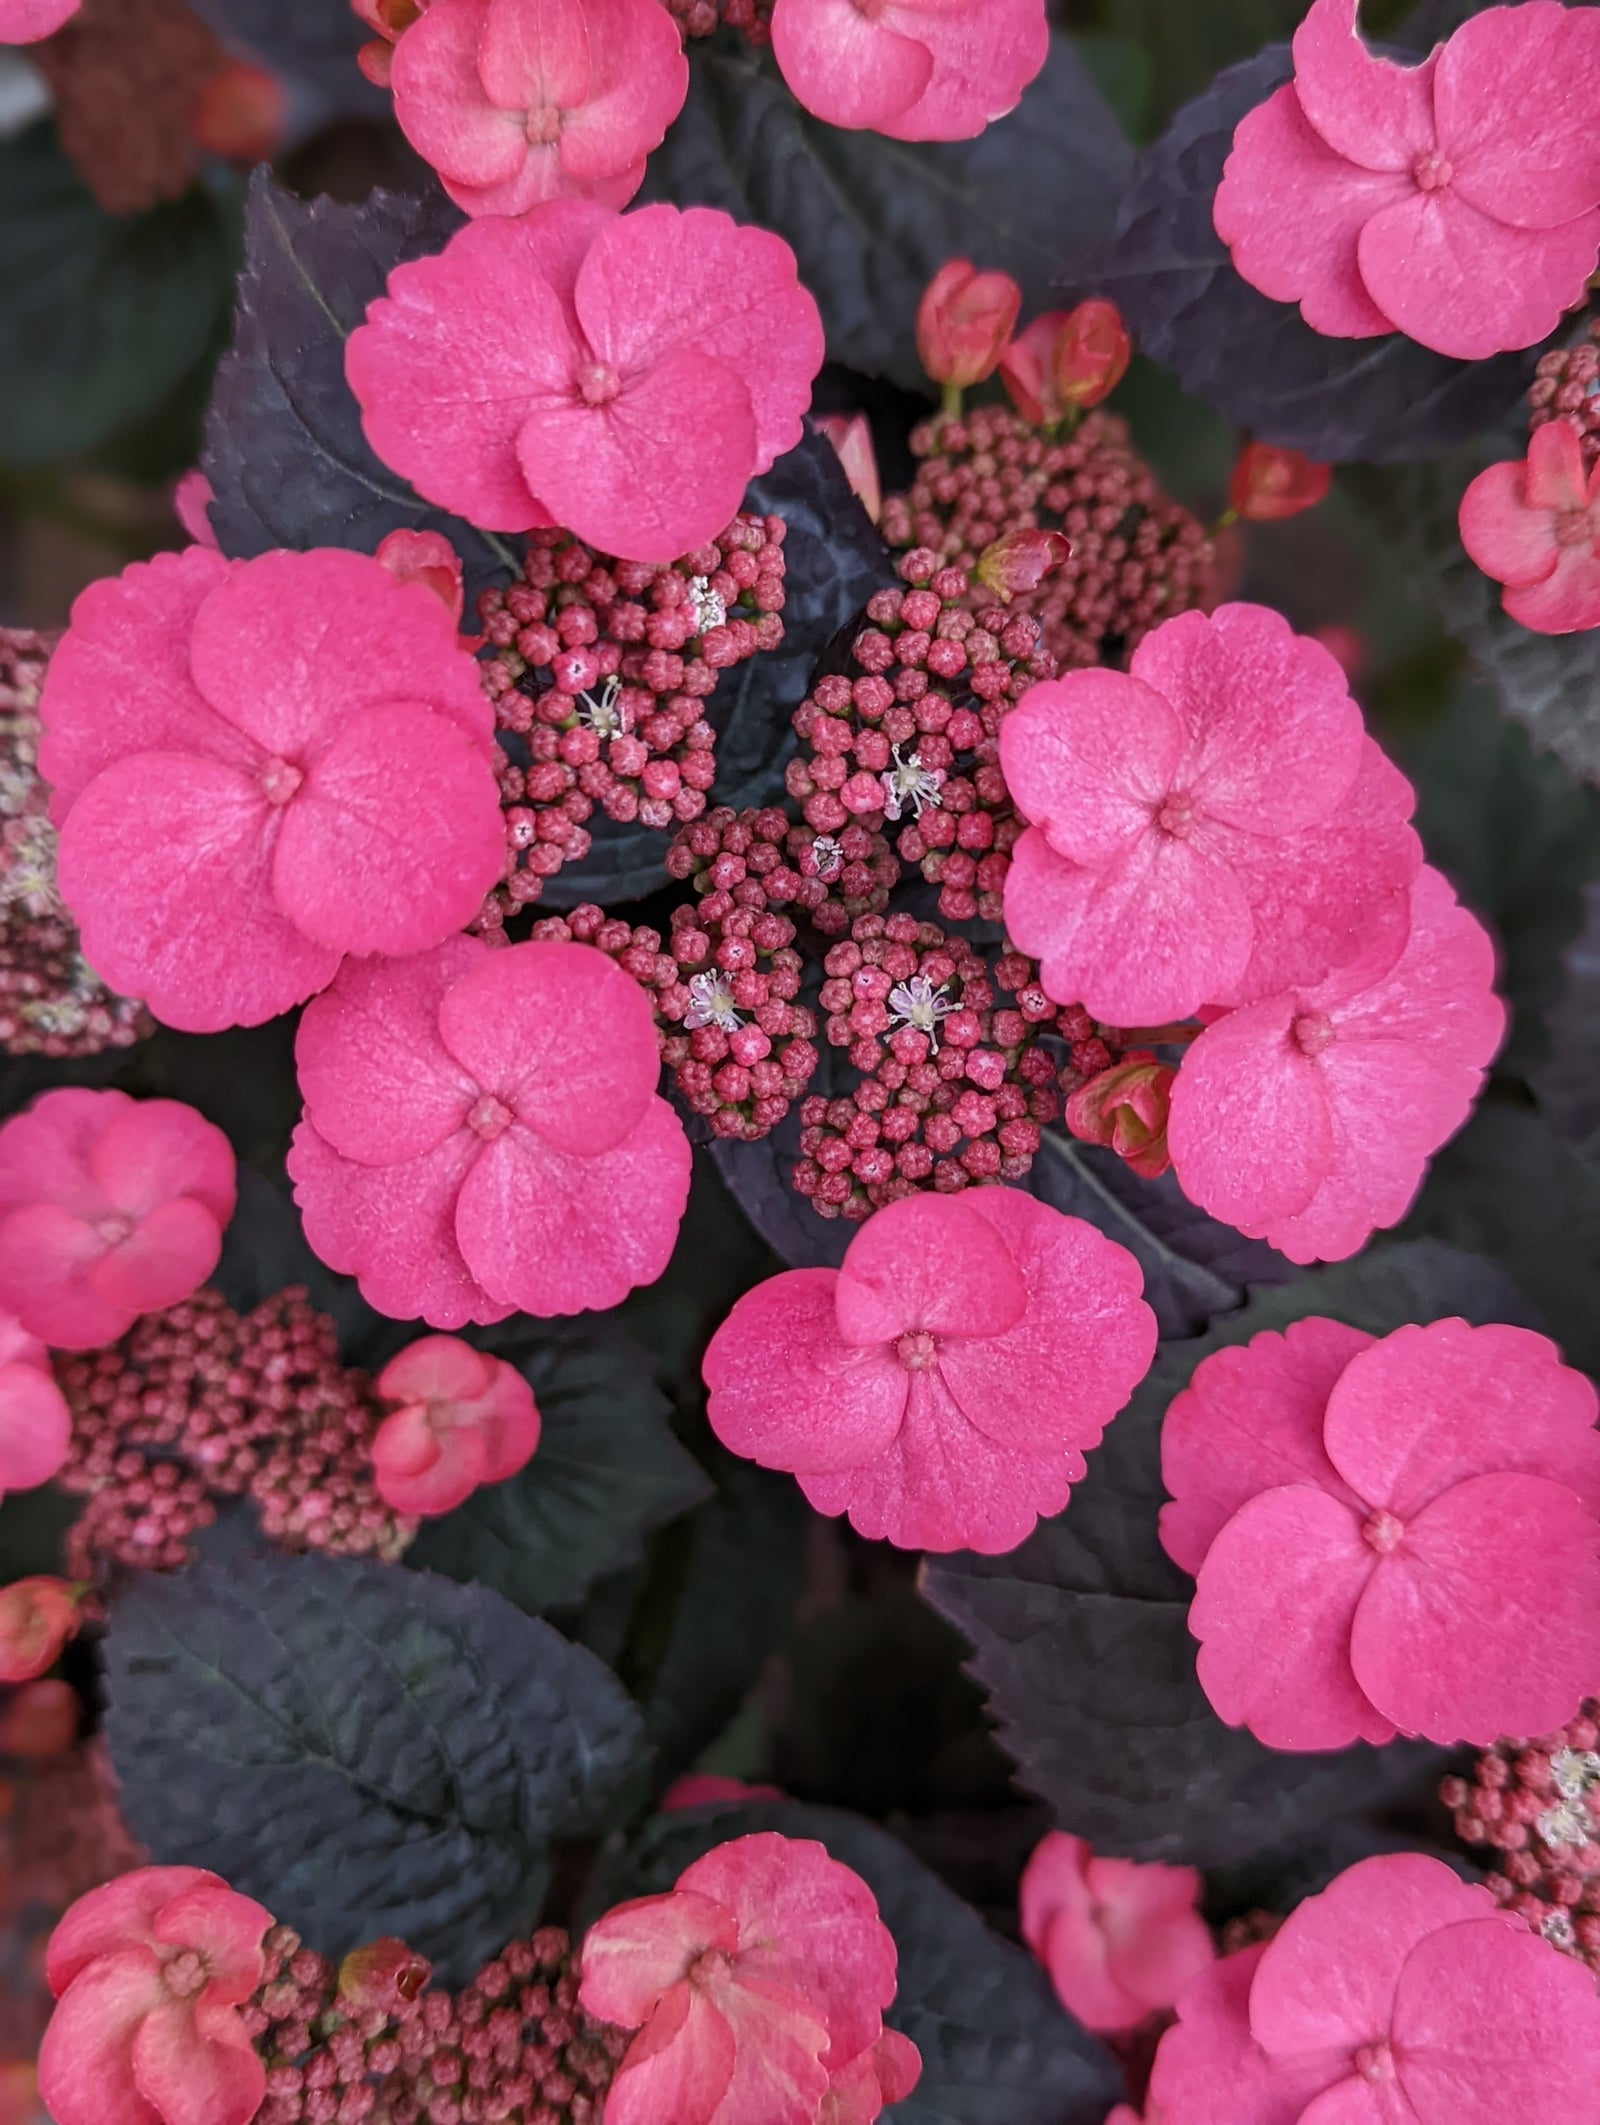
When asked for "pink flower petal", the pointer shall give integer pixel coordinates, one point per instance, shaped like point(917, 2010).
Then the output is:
point(46, 1152)
point(1466, 285)
point(226, 1928)
point(1515, 95)
point(1358, 2101)
point(1209, 2070)
point(1117, 1938)
point(1296, 1553)
point(1055, 1879)
point(27, 21)
point(151, 1150)
point(778, 2036)
point(1089, 758)
point(1369, 110)
point(86, 2073)
point(1075, 1955)
point(436, 1369)
point(442, 1486)
point(45, 1253)
point(508, 1419)
point(119, 1914)
point(163, 1261)
point(984, 56)
point(35, 1427)
point(1556, 477)
point(405, 1445)
point(534, 54)
point(441, 102)
point(1250, 1127)
point(196, 2078)
point(848, 69)
point(639, 81)
point(929, 1263)
point(1508, 537)
point(638, 1951)
point(678, 2066)
point(1157, 1942)
point(1568, 600)
point(1044, 900)
point(543, 180)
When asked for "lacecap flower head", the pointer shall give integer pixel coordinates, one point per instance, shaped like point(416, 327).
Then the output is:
point(458, 1417)
point(1120, 1940)
point(1533, 524)
point(942, 1386)
point(911, 69)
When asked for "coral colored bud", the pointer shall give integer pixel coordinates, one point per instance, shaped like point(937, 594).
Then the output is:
point(1026, 369)
point(240, 113)
point(1269, 483)
point(1020, 561)
point(192, 498)
point(1091, 355)
point(40, 1720)
point(37, 1617)
point(426, 557)
point(1126, 1107)
point(964, 321)
point(376, 61)
point(382, 1975)
point(851, 437)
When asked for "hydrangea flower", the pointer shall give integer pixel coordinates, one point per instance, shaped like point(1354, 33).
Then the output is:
point(1388, 1537)
point(1399, 1996)
point(148, 1973)
point(1119, 1940)
point(1307, 1119)
point(1453, 201)
point(519, 101)
point(941, 1386)
point(259, 766)
point(623, 375)
point(757, 1981)
point(110, 1207)
point(460, 1418)
point(482, 1132)
point(911, 69)
point(1533, 524)
point(1206, 827)
point(35, 1422)
point(26, 21)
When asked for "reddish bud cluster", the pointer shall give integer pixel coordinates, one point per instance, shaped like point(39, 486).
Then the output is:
point(126, 77)
point(1566, 387)
point(765, 861)
point(604, 669)
point(700, 18)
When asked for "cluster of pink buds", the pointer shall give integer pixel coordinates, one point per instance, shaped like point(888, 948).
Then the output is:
point(1566, 387)
point(603, 669)
point(201, 1403)
point(765, 861)
point(1536, 1803)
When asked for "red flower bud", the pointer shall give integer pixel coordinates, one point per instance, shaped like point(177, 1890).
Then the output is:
point(1091, 354)
point(851, 437)
point(963, 322)
point(382, 1975)
point(1026, 372)
point(40, 1719)
point(425, 557)
point(240, 113)
point(1269, 483)
point(1126, 1107)
point(37, 1617)
point(1020, 561)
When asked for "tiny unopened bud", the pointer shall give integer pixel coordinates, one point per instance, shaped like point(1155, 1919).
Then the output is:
point(425, 557)
point(240, 113)
point(1126, 1107)
point(1020, 561)
point(963, 322)
point(1027, 373)
point(37, 1617)
point(851, 437)
point(1091, 354)
point(1269, 483)
point(384, 1975)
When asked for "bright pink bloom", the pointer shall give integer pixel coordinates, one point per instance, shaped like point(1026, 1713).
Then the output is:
point(1308, 1119)
point(1119, 1940)
point(1269, 483)
point(1423, 1511)
point(1126, 1107)
point(518, 101)
point(37, 1617)
point(964, 320)
point(483, 1135)
point(1453, 201)
point(110, 1207)
point(259, 766)
point(943, 1385)
point(851, 437)
point(35, 1423)
point(26, 21)
point(192, 498)
point(622, 375)
point(759, 1978)
point(148, 1973)
point(463, 1418)
point(1206, 828)
point(701, 1789)
point(1534, 525)
point(913, 69)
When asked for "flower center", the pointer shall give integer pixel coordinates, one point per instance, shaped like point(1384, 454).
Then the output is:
point(1431, 172)
point(707, 1968)
point(184, 1975)
point(542, 126)
point(599, 383)
point(1573, 528)
point(1313, 1031)
point(279, 780)
point(1375, 2062)
point(1383, 1531)
point(918, 1004)
point(1176, 816)
point(711, 1004)
point(917, 1351)
point(908, 782)
point(489, 1118)
point(114, 1230)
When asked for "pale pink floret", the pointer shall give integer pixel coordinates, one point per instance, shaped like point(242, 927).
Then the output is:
point(912, 69)
point(259, 766)
point(458, 1418)
point(110, 1207)
point(518, 101)
point(1209, 2069)
point(148, 1974)
point(1201, 824)
point(483, 1135)
point(942, 1386)
point(1308, 1119)
point(623, 375)
point(1431, 1530)
point(1533, 524)
point(1453, 201)
point(35, 1423)
point(1119, 1940)
point(26, 21)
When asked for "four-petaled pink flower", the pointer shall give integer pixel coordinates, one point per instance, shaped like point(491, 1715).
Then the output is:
point(259, 766)
point(911, 69)
point(1399, 1996)
point(1307, 1119)
point(483, 1135)
point(1453, 201)
point(148, 1973)
point(1206, 828)
point(623, 375)
point(943, 1385)
point(518, 101)
point(757, 1981)
point(1533, 524)
point(462, 1418)
point(27, 21)
point(35, 1423)
point(110, 1207)
point(1388, 1537)
point(1119, 1940)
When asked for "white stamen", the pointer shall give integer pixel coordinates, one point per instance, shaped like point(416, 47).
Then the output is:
point(827, 856)
point(709, 609)
point(711, 1004)
point(1567, 1823)
point(1574, 1772)
point(603, 716)
point(909, 782)
point(919, 1005)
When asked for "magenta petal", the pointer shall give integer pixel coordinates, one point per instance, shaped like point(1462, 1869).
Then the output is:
point(1369, 110)
point(164, 1261)
point(1503, 531)
point(639, 1950)
point(639, 81)
point(928, 1263)
point(197, 2069)
point(1291, 1552)
point(1044, 899)
point(35, 1427)
point(440, 99)
point(1358, 2101)
point(44, 1254)
point(46, 1151)
point(846, 68)
point(1089, 758)
point(1157, 1940)
point(451, 1477)
point(1568, 600)
point(27, 21)
point(534, 54)
point(86, 2072)
point(678, 2066)
point(779, 2039)
point(228, 1930)
point(1466, 285)
point(1209, 2070)
point(1516, 93)
point(117, 1914)
point(153, 1149)
point(436, 1369)
point(1250, 1128)
point(983, 59)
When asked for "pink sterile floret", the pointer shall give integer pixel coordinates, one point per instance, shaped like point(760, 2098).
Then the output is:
point(148, 1973)
point(1399, 1996)
point(35, 1422)
point(1398, 1536)
point(943, 1385)
point(110, 1207)
point(26, 21)
point(259, 766)
point(758, 1980)
point(704, 1789)
point(1308, 1119)
point(1534, 525)
point(622, 375)
point(1205, 828)
point(912, 69)
point(482, 1132)
point(1454, 201)
point(1119, 1940)
point(519, 101)
point(459, 1418)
